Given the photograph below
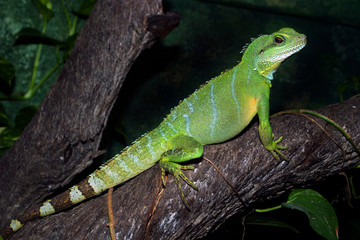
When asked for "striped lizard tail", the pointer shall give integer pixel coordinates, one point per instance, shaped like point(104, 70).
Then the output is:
point(60, 202)
point(141, 155)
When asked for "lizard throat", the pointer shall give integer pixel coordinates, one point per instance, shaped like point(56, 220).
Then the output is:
point(287, 53)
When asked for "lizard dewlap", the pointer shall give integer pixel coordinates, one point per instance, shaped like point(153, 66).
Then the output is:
point(216, 112)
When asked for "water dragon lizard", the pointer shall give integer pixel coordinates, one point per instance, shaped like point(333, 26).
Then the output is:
point(216, 112)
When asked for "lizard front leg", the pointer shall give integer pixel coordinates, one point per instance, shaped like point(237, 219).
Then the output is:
point(265, 132)
point(182, 148)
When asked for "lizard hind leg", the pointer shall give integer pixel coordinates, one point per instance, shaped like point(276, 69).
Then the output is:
point(182, 148)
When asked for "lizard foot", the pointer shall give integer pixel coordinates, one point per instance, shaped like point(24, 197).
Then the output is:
point(176, 170)
point(275, 150)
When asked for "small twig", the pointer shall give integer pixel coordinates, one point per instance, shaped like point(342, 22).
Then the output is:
point(337, 126)
point(243, 224)
point(98, 153)
point(223, 176)
point(111, 223)
point(326, 119)
point(348, 189)
point(154, 204)
point(326, 132)
point(353, 189)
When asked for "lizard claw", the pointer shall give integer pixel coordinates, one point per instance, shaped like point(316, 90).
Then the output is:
point(275, 150)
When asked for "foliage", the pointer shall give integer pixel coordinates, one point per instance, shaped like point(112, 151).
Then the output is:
point(321, 214)
point(11, 130)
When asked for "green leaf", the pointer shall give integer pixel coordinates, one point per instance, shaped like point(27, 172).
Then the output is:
point(24, 116)
point(32, 35)
point(47, 3)
point(44, 7)
point(86, 7)
point(271, 222)
point(68, 45)
point(7, 71)
point(8, 137)
point(321, 214)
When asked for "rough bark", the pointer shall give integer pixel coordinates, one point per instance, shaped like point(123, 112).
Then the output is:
point(67, 129)
point(64, 136)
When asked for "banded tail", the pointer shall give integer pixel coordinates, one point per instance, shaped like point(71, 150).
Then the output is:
point(141, 155)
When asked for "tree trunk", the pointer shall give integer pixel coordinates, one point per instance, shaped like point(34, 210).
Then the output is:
point(64, 136)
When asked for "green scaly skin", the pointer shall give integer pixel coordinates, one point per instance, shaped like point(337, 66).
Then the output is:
point(216, 112)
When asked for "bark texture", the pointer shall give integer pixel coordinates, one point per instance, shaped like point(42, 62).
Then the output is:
point(64, 136)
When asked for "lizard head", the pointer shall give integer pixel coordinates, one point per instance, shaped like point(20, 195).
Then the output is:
point(269, 51)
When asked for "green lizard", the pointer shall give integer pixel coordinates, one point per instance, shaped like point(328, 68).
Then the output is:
point(216, 112)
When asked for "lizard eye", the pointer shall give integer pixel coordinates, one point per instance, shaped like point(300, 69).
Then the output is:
point(278, 40)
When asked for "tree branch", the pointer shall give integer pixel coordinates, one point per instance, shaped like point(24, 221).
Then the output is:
point(251, 169)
